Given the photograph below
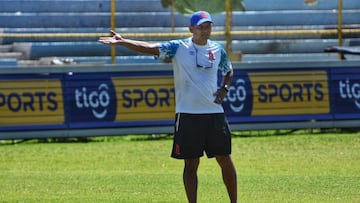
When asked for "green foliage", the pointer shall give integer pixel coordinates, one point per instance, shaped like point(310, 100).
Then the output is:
point(213, 6)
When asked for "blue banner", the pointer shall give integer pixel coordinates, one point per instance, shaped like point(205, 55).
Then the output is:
point(90, 98)
point(147, 98)
point(345, 84)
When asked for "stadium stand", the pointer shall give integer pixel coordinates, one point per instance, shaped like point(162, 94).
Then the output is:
point(148, 16)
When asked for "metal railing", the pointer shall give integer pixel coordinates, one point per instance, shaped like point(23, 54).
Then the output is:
point(181, 34)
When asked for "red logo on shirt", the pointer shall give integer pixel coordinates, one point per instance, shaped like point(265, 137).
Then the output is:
point(211, 56)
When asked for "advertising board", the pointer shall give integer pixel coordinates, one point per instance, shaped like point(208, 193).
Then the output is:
point(32, 102)
point(146, 98)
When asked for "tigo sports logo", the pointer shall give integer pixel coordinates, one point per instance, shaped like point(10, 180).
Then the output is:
point(145, 98)
point(346, 83)
point(238, 101)
point(237, 96)
point(350, 90)
point(290, 93)
point(92, 101)
point(31, 101)
point(96, 100)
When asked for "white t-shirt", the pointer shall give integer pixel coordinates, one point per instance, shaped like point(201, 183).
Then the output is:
point(196, 74)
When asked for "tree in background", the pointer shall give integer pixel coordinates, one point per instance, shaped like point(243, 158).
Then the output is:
point(213, 6)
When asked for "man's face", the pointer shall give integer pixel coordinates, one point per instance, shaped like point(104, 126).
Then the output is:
point(201, 32)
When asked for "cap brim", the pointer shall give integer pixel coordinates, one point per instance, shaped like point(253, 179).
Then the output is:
point(204, 21)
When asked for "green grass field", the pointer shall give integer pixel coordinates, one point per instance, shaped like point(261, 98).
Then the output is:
point(293, 168)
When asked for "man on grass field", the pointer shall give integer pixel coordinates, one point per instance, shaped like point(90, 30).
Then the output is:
point(200, 123)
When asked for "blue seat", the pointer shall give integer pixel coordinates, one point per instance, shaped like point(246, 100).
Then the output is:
point(8, 62)
point(41, 6)
point(93, 16)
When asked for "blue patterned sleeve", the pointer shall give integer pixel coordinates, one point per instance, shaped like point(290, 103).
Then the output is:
point(225, 64)
point(168, 49)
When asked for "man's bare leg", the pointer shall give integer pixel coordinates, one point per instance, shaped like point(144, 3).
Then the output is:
point(190, 179)
point(229, 176)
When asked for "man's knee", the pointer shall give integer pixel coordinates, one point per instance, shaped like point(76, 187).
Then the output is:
point(224, 160)
point(191, 165)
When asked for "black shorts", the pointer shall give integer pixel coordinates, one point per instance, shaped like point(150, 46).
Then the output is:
point(196, 133)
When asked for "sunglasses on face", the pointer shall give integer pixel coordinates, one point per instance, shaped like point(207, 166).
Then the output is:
point(211, 63)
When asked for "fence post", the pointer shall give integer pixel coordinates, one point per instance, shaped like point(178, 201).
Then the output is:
point(113, 12)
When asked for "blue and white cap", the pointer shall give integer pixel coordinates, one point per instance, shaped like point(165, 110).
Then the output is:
point(200, 17)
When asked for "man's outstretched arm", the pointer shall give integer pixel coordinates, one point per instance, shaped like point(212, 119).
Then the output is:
point(138, 46)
